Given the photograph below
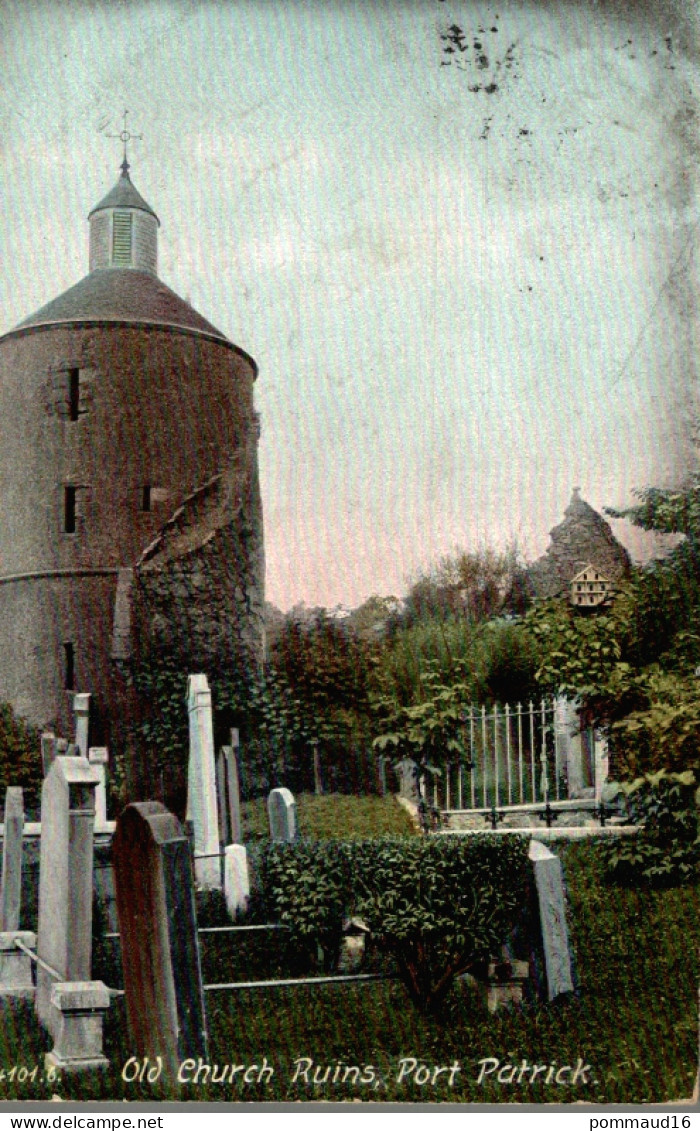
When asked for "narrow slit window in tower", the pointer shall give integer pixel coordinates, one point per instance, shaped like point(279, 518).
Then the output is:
point(69, 494)
point(146, 497)
point(73, 394)
point(69, 666)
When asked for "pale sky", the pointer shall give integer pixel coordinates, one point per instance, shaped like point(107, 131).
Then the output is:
point(468, 287)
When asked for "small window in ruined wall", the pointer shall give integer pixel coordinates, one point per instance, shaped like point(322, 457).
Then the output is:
point(68, 392)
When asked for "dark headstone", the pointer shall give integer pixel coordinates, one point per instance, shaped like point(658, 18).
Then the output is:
point(158, 926)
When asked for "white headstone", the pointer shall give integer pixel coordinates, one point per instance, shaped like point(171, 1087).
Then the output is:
point(64, 936)
point(551, 902)
point(282, 814)
point(11, 888)
point(98, 757)
point(236, 879)
point(81, 710)
point(201, 784)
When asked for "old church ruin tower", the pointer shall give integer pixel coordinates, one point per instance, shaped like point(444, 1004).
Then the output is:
point(129, 485)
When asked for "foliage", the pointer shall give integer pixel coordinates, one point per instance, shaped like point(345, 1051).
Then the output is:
point(307, 886)
point(432, 728)
point(20, 755)
point(637, 965)
point(632, 664)
point(161, 681)
point(670, 511)
point(667, 850)
point(320, 666)
point(663, 730)
point(437, 906)
point(419, 706)
point(475, 585)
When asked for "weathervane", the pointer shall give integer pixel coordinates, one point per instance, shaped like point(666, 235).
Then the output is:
point(125, 137)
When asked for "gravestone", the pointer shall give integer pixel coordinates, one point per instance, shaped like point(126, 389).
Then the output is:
point(64, 936)
point(550, 913)
point(81, 710)
point(11, 889)
point(158, 927)
point(98, 757)
point(282, 815)
point(409, 779)
point(65, 875)
point(236, 879)
point(48, 751)
point(15, 966)
point(228, 793)
point(201, 784)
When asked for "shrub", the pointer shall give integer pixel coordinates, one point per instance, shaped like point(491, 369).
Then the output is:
point(20, 755)
point(667, 851)
point(438, 907)
point(307, 888)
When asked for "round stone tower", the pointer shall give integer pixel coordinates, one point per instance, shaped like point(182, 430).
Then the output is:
point(118, 403)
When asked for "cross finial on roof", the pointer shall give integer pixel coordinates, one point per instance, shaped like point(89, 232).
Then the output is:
point(125, 137)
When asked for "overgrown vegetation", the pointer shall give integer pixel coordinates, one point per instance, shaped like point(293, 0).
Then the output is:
point(438, 907)
point(633, 1022)
point(667, 850)
point(20, 755)
point(633, 666)
point(400, 676)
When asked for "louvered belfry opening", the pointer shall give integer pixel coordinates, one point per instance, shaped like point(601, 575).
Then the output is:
point(121, 239)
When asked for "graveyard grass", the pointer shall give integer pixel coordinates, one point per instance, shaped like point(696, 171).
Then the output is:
point(321, 817)
point(634, 1021)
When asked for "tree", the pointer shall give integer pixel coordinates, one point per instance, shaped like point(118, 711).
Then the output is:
point(20, 754)
point(632, 665)
point(477, 585)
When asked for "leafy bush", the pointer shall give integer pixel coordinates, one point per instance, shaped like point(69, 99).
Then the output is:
point(438, 907)
point(667, 850)
point(20, 755)
point(307, 887)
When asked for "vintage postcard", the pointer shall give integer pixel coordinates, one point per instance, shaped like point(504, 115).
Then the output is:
point(348, 721)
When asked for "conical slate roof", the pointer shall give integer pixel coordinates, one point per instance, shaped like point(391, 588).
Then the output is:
point(123, 195)
point(121, 295)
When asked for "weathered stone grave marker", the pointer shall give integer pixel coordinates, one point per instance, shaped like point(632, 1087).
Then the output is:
point(81, 710)
point(282, 815)
point(236, 879)
point(408, 771)
point(11, 889)
point(15, 967)
point(68, 1003)
point(229, 793)
point(158, 927)
point(201, 784)
point(551, 909)
point(48, 751)
point(98, 756)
